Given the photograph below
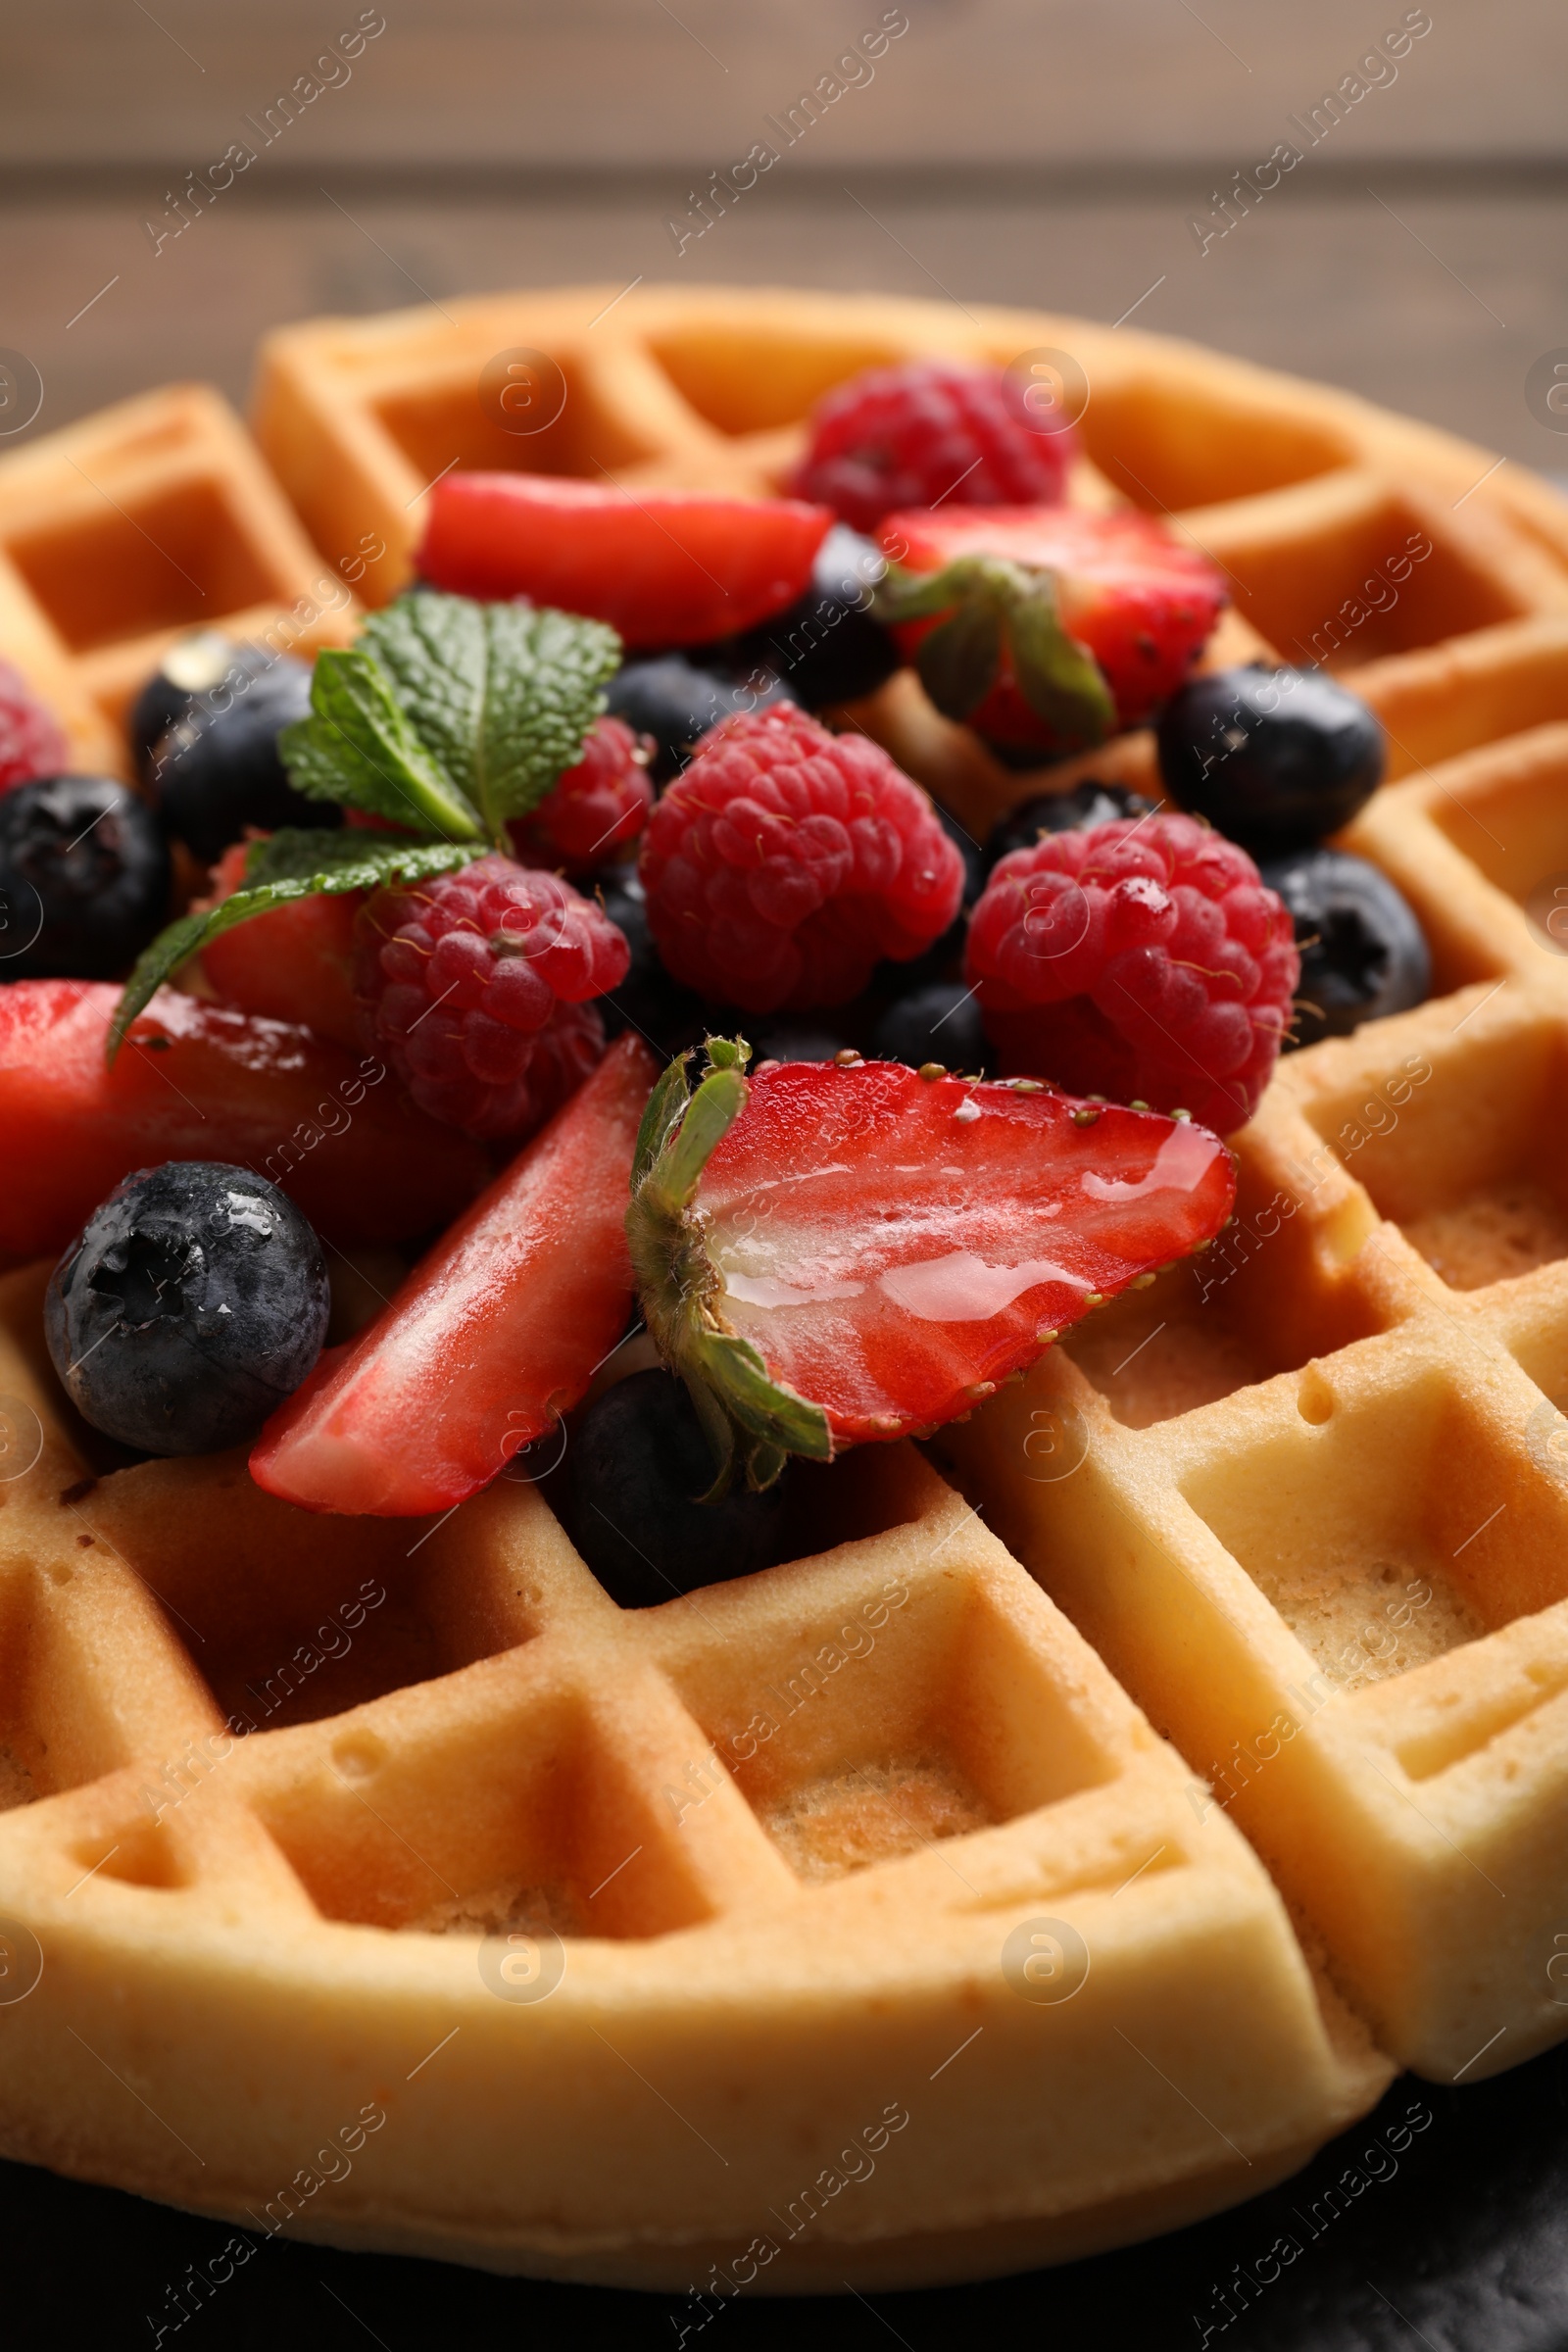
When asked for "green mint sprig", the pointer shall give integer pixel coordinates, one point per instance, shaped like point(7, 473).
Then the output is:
point(448, 718)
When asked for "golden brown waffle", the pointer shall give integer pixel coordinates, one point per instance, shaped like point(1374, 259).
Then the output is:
point(1315, 1508)
point(620, 1945)
point(124, 532)
point(1429, 575)
point(848, 1911)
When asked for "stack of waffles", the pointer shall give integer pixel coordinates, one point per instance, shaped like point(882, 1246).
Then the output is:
point(920, 1908)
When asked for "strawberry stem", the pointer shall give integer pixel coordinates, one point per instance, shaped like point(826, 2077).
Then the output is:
point(752, 1422)
point(995, 608)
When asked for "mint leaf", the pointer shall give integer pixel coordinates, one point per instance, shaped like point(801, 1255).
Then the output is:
point(292, 864)
point(502, 694)
point(358, 747)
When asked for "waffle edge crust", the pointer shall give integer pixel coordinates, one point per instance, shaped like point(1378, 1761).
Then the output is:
point(381, 1883)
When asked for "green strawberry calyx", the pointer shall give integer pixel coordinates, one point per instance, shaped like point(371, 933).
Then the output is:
point(994, 608)
point(751, 1421)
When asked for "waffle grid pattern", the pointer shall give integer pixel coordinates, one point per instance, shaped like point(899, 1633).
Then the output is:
point(633, 1926)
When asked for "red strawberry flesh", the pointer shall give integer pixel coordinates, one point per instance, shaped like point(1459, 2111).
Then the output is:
point(894, 1245)
point(494, 1334)
point(663, 567)
point(197, 1081)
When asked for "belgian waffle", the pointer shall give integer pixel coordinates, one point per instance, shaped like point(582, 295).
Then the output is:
point(849, 1924)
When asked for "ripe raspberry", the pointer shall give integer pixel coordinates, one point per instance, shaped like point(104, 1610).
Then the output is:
point(926, 433)
point(467, 979)
point(596, 809)
point(1143, 959)
point(785, 861)
point(31, 744)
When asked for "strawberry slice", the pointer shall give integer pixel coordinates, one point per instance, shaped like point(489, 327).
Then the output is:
point(1047, 628)
point(294, 964)
point(838, 1254)
point(199, 1082)
point(663, 567)
point(494, 1334)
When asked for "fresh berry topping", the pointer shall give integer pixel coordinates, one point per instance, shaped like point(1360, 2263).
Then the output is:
point(462, 972)
point(672, 700)
point(1047, 629)
point(828, 647)
point(1143, 960)
point(1089, 802)
point(1364, 953)
point(794, 1041)
point(196, 1081)
point(199, 676)
point(494, 1334)
point(786, 861)
point(218, 769)
point(848, 1251)
point(639, 1467)
point(1275, 757)
point(84, 878)
point(31, 741)
point(940, 1022)
point(293, 963)
point(648, 1001)
point(595, 812)
point(928, 433)
point(663, 567)
point(191, 1305)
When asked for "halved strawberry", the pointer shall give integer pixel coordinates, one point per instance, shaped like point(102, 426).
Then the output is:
point(197, 1081)
point(294, 964)
point(1047, 628)
point(831, 1254)
point(663, 567)
point(494, 1334)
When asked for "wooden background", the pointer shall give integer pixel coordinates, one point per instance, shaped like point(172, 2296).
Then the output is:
point(1007, 150)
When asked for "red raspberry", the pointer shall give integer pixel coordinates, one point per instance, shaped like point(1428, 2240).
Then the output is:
point(785, 861)
point(595, 811)
point(31, 744)
point(926, 433)
point(1141, 959)
point(466, 977)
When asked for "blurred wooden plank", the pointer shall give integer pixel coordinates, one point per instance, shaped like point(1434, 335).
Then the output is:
point(634, 81)
point(1330, 287)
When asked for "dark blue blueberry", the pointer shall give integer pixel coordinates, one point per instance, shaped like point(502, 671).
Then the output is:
point(826, 647)
point(1089, 802)
point(204, 670)
point(674, 700)
point(1364, 953)
point(194, 1301)
point(1277, 758)
point(648, 1001)
point(84, 878)
point(216, 769)
point(937, 1023)
point(639, 1462)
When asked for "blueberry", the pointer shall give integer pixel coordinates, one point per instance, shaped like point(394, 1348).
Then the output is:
point(826, 647)
point(674, 700)
point(1089, 802)
point(1362, 951)
point(1275, 757)
point(639, 1462)
point(216, 769)
point(204, 670)
point(193, 1301)
point(937, 1023)
point(648, 1001)
point(84, 878)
